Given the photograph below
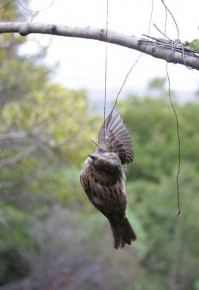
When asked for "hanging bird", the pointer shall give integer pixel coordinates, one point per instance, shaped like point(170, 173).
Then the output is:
point(103, 177)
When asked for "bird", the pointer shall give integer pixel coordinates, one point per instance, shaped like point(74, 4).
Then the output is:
point(103, 178)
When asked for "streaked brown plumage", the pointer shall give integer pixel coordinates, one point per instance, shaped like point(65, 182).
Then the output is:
point(103, 178)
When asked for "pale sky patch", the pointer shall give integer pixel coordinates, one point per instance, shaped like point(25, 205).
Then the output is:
point(82, 61)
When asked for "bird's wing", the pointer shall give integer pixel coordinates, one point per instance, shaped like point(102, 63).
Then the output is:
point(115, 137)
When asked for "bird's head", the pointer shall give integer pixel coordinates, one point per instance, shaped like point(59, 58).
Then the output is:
point(106, 161)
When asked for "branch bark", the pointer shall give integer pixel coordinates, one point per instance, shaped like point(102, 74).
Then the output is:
point(157, 49)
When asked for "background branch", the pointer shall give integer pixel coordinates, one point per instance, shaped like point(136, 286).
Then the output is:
point(166, 52)
point(12, 160)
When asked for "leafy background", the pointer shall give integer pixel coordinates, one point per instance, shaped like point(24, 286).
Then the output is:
point(50, 236)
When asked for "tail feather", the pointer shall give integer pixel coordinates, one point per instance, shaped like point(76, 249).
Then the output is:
point(122, 231)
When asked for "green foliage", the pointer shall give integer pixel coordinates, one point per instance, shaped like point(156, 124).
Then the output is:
point(170, 241)
point(58, 120)
point(11, 217)
point(51, 121)
point(157, 83)
point(44, 214)
point(154, 136)
point(44, 137)
point(194, 45)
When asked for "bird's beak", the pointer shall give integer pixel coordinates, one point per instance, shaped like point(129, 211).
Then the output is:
point(93, 157)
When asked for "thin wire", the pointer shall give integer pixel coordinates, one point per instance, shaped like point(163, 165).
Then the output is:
point(166, 7)
point(106, 61)
point(135, 63)
point(124, 82)
point(179, 142)
point(173, 107)
point(158, 29)
point(27, 9)
point(7, 4)
point(165, 21)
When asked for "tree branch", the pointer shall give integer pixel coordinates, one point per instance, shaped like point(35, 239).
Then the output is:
point(12, 160)
point(13, 135)
point(153, 47)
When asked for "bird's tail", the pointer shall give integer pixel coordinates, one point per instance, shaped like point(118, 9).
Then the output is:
point(122, 231)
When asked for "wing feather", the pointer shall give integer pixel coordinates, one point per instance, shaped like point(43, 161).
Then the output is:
point(115, 137)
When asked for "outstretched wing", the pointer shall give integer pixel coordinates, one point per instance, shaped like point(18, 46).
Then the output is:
point(115, 137)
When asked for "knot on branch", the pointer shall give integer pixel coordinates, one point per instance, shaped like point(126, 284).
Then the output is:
point(24, 29)
point(54, 28)
point(102, 34)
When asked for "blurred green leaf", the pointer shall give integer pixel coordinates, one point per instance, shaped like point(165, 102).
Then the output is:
point(194, 45)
